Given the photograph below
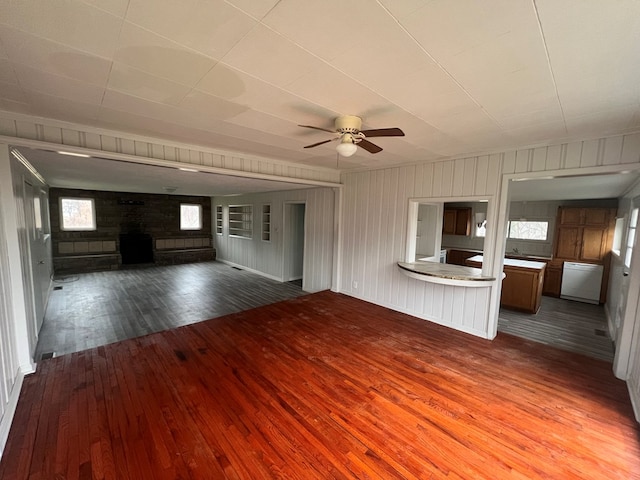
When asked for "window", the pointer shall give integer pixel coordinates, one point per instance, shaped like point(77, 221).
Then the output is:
point(631, 237)
point(77, 214)
point(190, 217)
point(618, 234)
point(218, 219)
point(527, 230)
point(241, 221)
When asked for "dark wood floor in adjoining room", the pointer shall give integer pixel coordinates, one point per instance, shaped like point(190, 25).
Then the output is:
point(322, 386)
point(569, 325)
point(94, 309)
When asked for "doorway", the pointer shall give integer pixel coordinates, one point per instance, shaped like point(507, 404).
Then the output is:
point(293, 244)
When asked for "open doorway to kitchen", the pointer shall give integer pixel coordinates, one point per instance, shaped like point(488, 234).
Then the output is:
point(569, 205)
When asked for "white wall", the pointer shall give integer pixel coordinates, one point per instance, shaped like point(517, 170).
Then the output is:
point(267, 258)
point(375, 216)
point(18, 321)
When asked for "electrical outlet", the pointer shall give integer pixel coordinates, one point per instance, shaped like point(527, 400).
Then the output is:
point(355, 284)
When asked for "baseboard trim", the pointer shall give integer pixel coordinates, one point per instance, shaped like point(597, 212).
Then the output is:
point(10, 411)
point(459, 328)
point(635, 402)
point(243, 267)
point(610, 324)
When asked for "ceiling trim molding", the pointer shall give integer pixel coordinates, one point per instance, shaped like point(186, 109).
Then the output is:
point(21, 128)
point(21, 142)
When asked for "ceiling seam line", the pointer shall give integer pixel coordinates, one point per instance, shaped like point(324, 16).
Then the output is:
point(341, 72)
point(440, 66)
point(546, 53)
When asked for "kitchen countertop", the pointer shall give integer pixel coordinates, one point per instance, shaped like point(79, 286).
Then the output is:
point(445, 273)
point(512, 262)
point(517, 256)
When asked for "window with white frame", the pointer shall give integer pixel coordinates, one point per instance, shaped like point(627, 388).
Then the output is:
point(618, 234)
point(528, 230)
point(631, 237)
point(77, 214)
point(190, 217)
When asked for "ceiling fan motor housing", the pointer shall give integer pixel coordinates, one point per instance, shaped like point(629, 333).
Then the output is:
point(348, 124)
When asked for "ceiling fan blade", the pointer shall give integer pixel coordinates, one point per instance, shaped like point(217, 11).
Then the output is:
point(317, 128)
point(368, 146)
point(383, 132)
point(319, 143)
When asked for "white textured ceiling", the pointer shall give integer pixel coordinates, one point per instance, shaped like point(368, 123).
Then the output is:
point(458, 76)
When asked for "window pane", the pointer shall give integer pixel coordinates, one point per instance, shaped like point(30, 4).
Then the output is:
point(526, 230)
point(77, 214)
point(627, 257)
point(190, 218)
point(37, 212)
point(633, 222)
point(631, 238)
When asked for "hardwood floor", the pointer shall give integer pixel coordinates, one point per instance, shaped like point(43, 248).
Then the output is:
point(565, 324)
point(322, 386)
point(95, 309)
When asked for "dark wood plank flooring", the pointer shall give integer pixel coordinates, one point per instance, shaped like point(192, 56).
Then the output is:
point(322, 386)
point(573, 326)
point(95, 309)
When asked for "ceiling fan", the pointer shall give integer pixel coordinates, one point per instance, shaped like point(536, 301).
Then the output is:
point(351, 137)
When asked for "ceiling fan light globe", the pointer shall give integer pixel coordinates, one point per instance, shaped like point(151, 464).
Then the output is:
point(346, 149)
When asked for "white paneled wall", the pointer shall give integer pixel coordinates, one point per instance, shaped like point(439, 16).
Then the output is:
point(17, 322)
point(8, 353)
point(374, 235)
point(374, 222)
point(267, 258)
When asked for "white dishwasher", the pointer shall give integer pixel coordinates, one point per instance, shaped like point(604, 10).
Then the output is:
point(581, 282)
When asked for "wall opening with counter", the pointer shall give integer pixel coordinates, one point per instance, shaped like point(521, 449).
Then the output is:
point(431, 225)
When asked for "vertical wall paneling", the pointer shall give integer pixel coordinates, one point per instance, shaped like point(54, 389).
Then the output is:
point(539, 161)
point(15, 341)
point(589, 153)
point(468, 182)
point(267, 258)
point(509, 162)
point(573, 155)
point(553, 157)
point(374, 253)
point(612, 150)
point(494, 174)
point(386, 238)
point(523, 160)
point(482, 171)
point(630, 149)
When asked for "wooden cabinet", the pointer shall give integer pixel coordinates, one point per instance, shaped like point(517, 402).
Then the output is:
point(522, 288)
point(584, 234)
point(459, 257)
point(456, 221)
point(522, 285)
point(552, 279)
